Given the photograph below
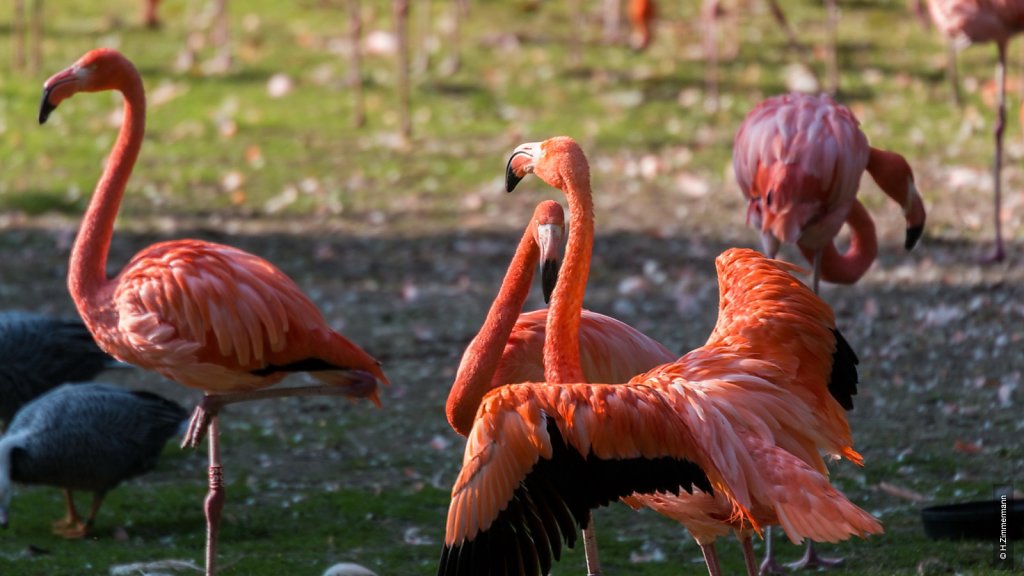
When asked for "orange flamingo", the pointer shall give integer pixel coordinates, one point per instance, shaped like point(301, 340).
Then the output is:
point(542, 455)
point(971, 21)
point(798, 160)
point(641, 19)
point(611, 351)
point(205, 315)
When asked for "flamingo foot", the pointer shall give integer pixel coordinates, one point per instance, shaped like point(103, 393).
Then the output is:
point(811, 559)
point(995, 256)
point(64, 523)
point(770, 567)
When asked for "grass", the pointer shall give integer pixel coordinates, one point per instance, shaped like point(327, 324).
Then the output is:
point(357, 218)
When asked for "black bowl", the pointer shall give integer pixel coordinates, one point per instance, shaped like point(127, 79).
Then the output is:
point(973, 520)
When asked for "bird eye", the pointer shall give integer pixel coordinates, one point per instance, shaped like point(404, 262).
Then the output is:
point(768, 199)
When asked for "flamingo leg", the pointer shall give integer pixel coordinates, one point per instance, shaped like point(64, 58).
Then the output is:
point(999, 252)
point(749, 558)
point(214, 499)
point(711, 559)
point(769, 565)
point(832, 57)
point(951, 73)
point(780, 19)
point(812, 560)
point(711, 52)
point(590, 548)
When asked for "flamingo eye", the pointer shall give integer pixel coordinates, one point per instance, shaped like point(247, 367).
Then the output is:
point(768, 199)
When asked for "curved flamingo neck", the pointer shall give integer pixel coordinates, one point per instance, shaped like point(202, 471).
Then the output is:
point(482, 356)
point(893, 175)
point(562, 362)
point(87, 272)
point(849, 266)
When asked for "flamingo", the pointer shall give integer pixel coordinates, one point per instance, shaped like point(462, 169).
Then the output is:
point(798, 160)
point(972, 21)
point(540, 456)
point(205, 315)
point(42, 352)
point(85, 437)
point(610, 350)
point(641, 19)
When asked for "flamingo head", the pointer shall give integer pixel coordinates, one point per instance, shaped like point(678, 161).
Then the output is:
point(99, 70)
point(556, 161)
point(789, 203)
point(548, 226)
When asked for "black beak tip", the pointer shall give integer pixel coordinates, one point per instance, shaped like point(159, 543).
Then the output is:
point(511, 178)
point(45, 107)
point(548, 279)
point(913, 235)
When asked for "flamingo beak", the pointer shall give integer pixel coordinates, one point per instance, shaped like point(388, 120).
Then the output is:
point(519, 164)
point(45, 106)
point(913, 235)
point(770, 244)
point(550, 239)
point(51, 97)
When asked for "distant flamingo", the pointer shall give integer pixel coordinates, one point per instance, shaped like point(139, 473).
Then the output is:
point(641, 19)
point(611, 351)
point(972, 21)
point(798, 160)
point(149, 19)
point(542, 455)
point(206, 315)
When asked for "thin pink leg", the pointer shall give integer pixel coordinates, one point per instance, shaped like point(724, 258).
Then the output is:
point(1000, 251)
point(214, 499)
point(711, 559)
point(769, 565)
point(590, 549)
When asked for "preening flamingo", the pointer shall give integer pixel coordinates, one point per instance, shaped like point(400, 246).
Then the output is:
point(540, 456)
point(87, 437)
point(42, 352)
point(205, 315)
point(972, 21)
point(798, 160)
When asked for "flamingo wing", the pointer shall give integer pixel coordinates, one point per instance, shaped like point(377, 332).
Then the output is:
point(770, 324)
point(610, 350)
point(540, 456)
point(193, 310)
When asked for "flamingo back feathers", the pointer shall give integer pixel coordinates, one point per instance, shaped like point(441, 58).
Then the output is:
point(213, 317)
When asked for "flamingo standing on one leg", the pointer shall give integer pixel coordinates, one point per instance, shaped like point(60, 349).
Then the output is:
point(206, 315)
point(532, 445)
point(798, 160)
point(972, 21)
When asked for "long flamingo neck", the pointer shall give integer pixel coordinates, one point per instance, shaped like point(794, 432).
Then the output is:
point(481, 358)
point(87, 272)
point(893, 175)
point(562, 362)
point(848, 267)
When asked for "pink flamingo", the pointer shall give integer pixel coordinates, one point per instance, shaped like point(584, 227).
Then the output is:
point(798, 160)
point(971, 21)
point(205, 315)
